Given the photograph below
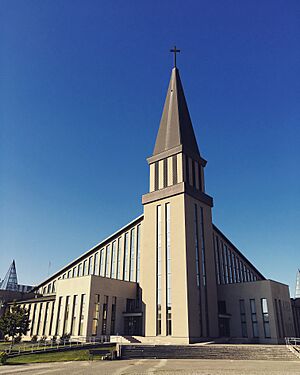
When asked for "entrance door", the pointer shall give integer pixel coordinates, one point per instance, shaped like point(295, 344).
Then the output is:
point(224, 327)
point(132, 325)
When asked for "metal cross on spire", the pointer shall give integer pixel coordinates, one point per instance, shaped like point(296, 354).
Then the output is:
point(175, 50)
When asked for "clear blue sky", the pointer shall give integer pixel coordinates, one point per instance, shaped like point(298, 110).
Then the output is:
point(82, 88)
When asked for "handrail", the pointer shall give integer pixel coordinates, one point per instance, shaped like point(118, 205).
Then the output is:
point(292, 341)
point(58, 344)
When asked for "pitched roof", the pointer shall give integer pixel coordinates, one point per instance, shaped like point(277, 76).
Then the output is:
point(176, 126)
point(10, 281)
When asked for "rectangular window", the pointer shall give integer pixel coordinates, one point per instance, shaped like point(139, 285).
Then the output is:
point(102, 263)
point(96, 264)
point(74, 315)
point(197, 257)
point(69, 274)
point(51, 319)
point(229, 265)
point(138, 253)
point(39, 319)
point(233, 269)
point(156, 175)
point(74, 272)
point(107, 268)
point(266, 320)
point(85, 268)
point(33, 319)
point(113, 316)
point(217, 261)
point(237, 266)
point(96, 315)
point(126, 260)
point(254, 318)
point(59, 317)
point(67, 315)
point(81, 315)
point(243, 318)
point(174, 161)
point(165, 166)
point(168, 271)
point(90, 272)
point(53, 286)
point(79, 273)
point(225, 263)
point(46, 317)
point(131, 266)
point(104, 315)
point(113, 260)
point(158, 270)
point(119, 259)
point(187, 170)
point(204, 267)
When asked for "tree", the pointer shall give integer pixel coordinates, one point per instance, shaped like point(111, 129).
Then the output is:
point(15, 322)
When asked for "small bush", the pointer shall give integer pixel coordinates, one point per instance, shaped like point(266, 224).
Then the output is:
point(17, 339)
point(65, 337)
point(6, 338)
point(54, 339)
point(3, 358)
point(43, 339)
point(34, 339)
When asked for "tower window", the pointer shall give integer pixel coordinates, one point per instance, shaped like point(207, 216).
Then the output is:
point(165, 182)
point(174, 161)
point(156, 175)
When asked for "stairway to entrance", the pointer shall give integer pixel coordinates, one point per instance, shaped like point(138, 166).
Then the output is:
point(214, 351)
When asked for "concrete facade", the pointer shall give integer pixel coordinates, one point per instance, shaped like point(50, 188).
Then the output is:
point(170, 275)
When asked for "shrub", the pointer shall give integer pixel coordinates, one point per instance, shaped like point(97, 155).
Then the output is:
point(18, 339)
point(34, 339)
point(3, 358)
point(65, 337)
point(43, 339)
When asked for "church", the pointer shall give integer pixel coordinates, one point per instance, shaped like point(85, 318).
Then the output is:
point(170, 275)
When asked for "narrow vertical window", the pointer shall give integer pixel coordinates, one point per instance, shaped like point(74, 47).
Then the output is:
point(187, 170)
point(243, 318)
point(74, 272)
point(74, 315)
point(203, 255)
point(174, 161)
point(46, 317)
point(198, 265)
point(85, 268)
point(200, 177)
point(113, 260)
point(217, 262)
point(168, 264)
point(193, 174)
point(39, 319)
point(67, 315)
point(158, 270)
point(165, 180)
point(131, 259)
point(33, 319)
point(242, 271)
point(113, 316)
point(229, 265)
point(107, 268)
point(281, 318)
point(266, 320)
point(156, 175)
point(277, 318)
point(51, 319)
point(96, 313)
point(225, 263)
point(138, 252)
point(90, 269)
point(81, 315)
point(125, 265)
point(58, 320)
point(96, 264)
point(104, 315)
point(233, 267)
point(102, 263)
point(119, 259)
point(79, 273)
point(254, 318)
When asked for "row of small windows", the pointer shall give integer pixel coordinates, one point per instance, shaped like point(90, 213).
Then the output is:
point(70, 316)
point(229, 267)
point(109, 262)
point(169, 171)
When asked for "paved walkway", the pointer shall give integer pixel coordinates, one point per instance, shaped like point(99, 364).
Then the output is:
point(159, 367)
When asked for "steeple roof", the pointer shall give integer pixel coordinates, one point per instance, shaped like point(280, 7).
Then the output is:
point(176, 127)
point(10, 281)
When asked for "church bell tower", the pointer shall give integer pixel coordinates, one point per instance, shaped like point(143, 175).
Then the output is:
point(178, 281)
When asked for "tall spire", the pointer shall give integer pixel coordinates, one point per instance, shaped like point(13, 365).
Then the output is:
point(176, 126)
point(10, 281)
point(297, 289)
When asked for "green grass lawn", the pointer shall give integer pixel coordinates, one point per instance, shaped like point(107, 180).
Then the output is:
point(71, 355)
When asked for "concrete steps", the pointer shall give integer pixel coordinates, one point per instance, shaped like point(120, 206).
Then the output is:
point(233, 352)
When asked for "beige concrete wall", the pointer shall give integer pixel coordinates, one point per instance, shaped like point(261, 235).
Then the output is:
point(257, 290)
